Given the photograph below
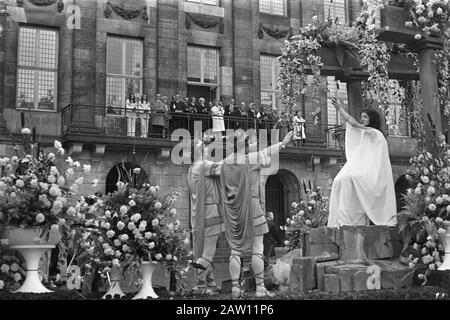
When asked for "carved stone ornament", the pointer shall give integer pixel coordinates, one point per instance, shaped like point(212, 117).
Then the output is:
point(274, 33)
point(204, 22)
point(125, 13)
point(42, 3)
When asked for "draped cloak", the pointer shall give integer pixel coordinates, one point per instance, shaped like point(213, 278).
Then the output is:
point(241, 195)
point(364, 188)
point(206, 204)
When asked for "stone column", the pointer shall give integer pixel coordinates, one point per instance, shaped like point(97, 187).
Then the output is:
point(3, 23)
point(243, 49)
point(168, 55)
point(84, 59)
point(428, 78)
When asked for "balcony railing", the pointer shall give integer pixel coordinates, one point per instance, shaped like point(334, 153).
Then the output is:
point(118, 122)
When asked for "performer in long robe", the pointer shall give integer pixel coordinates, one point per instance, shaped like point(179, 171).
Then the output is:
point(206, 218)
point(245, 221)
point(363, 190)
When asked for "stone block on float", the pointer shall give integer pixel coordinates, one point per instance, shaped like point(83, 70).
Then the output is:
point(365, 242)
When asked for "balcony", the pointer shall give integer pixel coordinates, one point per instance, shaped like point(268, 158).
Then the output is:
point(91, 125)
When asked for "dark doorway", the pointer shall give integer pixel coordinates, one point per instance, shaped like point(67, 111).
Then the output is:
point(275, 199)
point(281, 190)
point(401, 187)
point(125, 172)
point(201, 91)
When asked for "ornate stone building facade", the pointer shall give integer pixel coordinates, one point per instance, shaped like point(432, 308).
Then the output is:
point(65, 66)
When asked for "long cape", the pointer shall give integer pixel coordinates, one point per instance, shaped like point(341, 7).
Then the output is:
point(364, 187)
point(236, 197)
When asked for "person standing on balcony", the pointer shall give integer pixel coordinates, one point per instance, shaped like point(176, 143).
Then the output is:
point(240, 112)
point(282, 125)
point(178, 109)
point(363, 191)
point(264, 122)
point(130, 114)
point(192, 111)
point(252, 115)
point(144, 114)
point(299, 129)
point(217, 112)
point(228, 113)
point(159, 110)
point(202, 111)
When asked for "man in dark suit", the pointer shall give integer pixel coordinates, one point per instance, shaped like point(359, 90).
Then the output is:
point(229, 109)
point(271, 240)
point(178, 108)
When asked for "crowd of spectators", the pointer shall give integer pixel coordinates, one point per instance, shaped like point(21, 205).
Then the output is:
point(159, 118)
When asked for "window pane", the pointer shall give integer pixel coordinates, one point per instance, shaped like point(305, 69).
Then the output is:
point(132, 85)
point(278, 7)
point(194, 64)
point(47, 49)
point(202, 59)
point(264, 6)
point(210, 2)
point(114, 94)
point(133, 58)
point(210, 66)
point(269, 71)
point(25, 88)
point(266, 98)
point(272, 6)
point(46, 90)
point(335, 9)
point(27, 47)
point(114, 56)
point(266, 72)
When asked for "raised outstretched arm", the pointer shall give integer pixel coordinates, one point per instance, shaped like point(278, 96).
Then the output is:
point(345, 115)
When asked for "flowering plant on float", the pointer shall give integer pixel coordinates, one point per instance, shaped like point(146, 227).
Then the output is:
point(306, 215)
point(132, 225)
point(426, 214)
point(12, 273)
point(33, 192)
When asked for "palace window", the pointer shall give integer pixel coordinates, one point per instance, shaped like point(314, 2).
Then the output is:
point(209, 2)
point(124, 70)
point(203, 65)
point(275, 7)
point(270, 69)
point(37, 69)
point(335, 9)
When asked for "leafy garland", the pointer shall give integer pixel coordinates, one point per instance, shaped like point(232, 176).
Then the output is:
point(203, 22)
point(42, 2)
point(374, 56)
point(125, 13)
point(431, 18)
point(274, 33)
point(300, 57)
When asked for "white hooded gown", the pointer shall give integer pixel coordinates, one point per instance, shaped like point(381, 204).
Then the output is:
point(364, 188)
